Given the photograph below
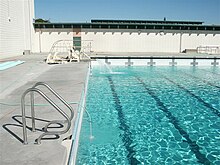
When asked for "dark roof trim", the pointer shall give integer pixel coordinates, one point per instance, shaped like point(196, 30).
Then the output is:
point(147, 22)
point(128, 26)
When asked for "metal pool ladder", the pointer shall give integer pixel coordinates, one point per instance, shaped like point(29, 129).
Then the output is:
point(46, 132)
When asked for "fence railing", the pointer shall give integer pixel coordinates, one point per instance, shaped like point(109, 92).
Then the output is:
point(209, 49)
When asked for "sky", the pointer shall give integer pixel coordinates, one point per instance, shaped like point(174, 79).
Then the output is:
point(75, 11)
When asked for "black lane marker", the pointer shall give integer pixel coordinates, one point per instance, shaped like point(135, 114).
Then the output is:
point(210, 72)
point(172, 119)
point(214, 111)
point(207, 82)
point(127, 135)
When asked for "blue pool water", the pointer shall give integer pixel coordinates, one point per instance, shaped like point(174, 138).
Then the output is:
point(152, 115)
point(10, 64)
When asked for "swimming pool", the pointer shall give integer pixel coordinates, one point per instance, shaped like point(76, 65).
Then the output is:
point(152, 115)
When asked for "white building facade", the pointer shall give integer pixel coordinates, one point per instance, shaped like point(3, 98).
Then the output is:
point(159, 36)
point(16, 27)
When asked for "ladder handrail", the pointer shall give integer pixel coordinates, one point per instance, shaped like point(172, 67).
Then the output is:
point(55, 121)
point(57, 95)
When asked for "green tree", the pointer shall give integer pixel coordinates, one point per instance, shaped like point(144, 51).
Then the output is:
point(40, 20)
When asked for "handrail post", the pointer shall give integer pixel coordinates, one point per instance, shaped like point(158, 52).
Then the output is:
point(24, 119)
point(32, 111)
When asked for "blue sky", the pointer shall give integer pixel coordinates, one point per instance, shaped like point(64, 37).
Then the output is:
point(85, 10)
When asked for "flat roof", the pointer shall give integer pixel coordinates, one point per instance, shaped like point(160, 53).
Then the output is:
point(127, 26)
point(133, 24)
point(147, 22)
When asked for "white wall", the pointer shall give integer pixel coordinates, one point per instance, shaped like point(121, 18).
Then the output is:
point(131, 41)
point(192, 41)
point(44, 38)
point(16, 28)
point(148, 41)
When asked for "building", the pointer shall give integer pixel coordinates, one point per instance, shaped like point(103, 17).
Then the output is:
point(131, 35)
point(16, 27)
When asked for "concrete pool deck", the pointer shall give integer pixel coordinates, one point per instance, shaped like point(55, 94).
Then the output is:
point(67, 79)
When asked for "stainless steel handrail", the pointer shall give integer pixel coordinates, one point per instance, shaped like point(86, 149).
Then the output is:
point(55, 94)
point(53, 122)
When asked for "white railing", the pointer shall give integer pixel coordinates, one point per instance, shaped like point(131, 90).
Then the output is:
point(65, 51)
point(212, 49)
point(66, 45)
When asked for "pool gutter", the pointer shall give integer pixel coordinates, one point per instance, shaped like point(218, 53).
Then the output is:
point(158, 60)
point(217, 57)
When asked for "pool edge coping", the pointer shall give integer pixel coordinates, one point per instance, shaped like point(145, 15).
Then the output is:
point(77, 128)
